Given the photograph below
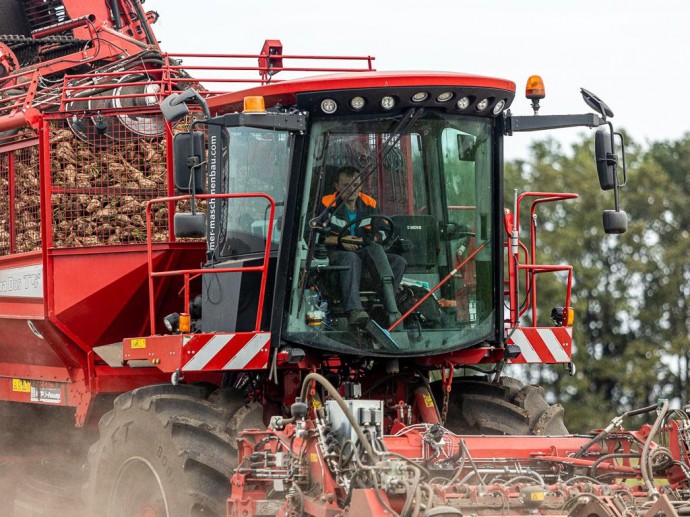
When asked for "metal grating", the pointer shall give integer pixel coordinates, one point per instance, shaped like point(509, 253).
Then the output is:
point(27, 200)
point(101, 183)
point(4, 204)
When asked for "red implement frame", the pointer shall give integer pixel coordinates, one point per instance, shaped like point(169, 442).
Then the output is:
point(95, 291)
point(490, 477)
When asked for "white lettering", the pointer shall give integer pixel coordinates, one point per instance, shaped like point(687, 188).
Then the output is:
point(213, 189)
point(24, 282)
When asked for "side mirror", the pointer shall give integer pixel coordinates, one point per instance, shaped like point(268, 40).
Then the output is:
point(189, 225)
point(188, 164)
point(607, 161)
point(466, 147)
point(615, 221)
point(174, 106)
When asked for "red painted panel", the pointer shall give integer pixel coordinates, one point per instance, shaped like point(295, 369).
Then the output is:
point(18, 344)
point(26, 308)
point(101, 295)
point(202, 352)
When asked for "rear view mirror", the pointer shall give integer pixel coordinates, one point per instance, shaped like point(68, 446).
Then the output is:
point(189, 168)
point(615, 221)
point(173, 108)
point(607, 161)
point(466, 147)
point(189, 225)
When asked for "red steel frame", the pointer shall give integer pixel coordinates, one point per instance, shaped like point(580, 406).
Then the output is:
point(263, 268)
point(171, 353)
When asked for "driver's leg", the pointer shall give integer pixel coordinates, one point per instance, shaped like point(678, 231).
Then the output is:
point(349, 279)
point(378, 260)
point(398, 266)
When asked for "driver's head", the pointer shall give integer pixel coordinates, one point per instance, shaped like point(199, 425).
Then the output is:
point(344, 183)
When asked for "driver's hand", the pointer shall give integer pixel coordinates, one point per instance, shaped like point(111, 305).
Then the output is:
point(351, 243)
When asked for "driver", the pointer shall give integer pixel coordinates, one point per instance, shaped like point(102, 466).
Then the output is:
point(355, 248)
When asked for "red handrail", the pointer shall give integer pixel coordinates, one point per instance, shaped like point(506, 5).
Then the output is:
point(530, 266)
point(186, 273)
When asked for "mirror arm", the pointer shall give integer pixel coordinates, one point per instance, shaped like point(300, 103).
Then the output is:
point(625, 171)
point(194, 163)
point(516, 124)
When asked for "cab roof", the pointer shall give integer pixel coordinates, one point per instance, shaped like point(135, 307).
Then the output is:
point(285, 92)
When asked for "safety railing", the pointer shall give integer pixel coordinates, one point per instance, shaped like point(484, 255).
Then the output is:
point(112, 89)
point(529, 266)
point(268, 65)
point(190, 274)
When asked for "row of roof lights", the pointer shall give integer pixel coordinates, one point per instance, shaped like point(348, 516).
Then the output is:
point(329, 106)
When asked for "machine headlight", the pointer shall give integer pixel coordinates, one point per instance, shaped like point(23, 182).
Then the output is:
point(357, 103)
point(420, 96)
point(172, 322)
point(499, 106)
point(388, 102)
point(445, 96)
point(482, 104)
point(463, 103)
point(329, 106)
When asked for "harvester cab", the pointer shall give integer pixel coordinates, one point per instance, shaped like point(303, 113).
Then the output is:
point(430, 158)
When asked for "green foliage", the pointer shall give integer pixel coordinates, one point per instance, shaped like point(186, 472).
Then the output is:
point(631, 292)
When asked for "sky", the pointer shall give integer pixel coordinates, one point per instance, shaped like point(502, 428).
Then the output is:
point(632, 54)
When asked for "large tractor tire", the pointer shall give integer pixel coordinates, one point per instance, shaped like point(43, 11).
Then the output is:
point(166, 451)
point(477, 406)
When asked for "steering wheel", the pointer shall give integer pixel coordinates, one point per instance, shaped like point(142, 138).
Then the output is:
point(389, 232)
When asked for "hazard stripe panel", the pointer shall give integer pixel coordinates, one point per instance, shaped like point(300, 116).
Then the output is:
point(241, 351)
point(546, 345)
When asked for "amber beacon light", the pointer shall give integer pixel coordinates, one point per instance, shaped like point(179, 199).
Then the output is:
point(534, 91)
point(254, 104)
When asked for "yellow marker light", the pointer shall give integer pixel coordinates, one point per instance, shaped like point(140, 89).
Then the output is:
point(535, 88)
point(185, 323)
point(570, 317)
point(254, 104)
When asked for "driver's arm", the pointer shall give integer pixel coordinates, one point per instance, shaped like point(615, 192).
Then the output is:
point(349, 242)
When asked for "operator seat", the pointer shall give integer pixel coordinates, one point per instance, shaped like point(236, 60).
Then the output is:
point(421, 241)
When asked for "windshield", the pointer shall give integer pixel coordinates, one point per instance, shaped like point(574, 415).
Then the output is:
point(257, 160)
point(393, 216)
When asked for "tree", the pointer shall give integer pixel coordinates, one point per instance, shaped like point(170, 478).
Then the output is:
point(630, 319)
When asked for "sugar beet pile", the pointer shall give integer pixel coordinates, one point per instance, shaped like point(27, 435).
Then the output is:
point(99, 192)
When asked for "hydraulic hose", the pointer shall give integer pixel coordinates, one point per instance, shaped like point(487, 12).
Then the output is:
point(645, 468)
point(614, 423)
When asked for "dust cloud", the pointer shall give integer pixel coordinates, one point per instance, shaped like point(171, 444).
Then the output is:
point(42, 461)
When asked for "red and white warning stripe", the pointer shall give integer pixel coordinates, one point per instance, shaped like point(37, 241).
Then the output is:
point(215, 352)
point(547, 345)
